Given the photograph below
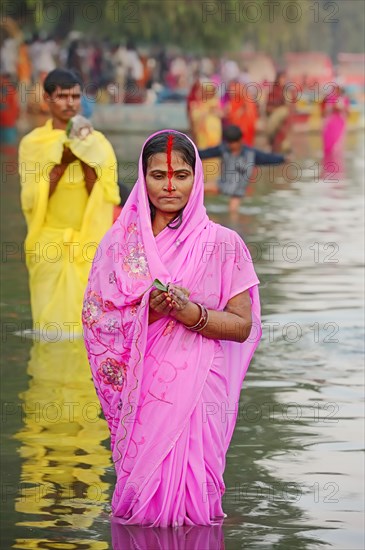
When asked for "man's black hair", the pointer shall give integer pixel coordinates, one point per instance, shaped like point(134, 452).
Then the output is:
point(232, 133)
point(61, 78)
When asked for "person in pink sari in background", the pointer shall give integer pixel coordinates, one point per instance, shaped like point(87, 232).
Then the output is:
point(335, 110)
point(168, 365)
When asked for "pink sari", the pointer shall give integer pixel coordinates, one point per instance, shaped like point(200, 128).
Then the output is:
point(170, 396)
point(334, 107)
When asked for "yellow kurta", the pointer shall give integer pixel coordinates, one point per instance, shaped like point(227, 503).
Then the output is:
point(64, 229)
point(207, 129)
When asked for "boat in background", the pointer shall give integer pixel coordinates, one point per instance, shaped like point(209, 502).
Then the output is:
point(309, 69)
point(315, 77)
point(351, 74)
point(143, 118)
point(147, 118)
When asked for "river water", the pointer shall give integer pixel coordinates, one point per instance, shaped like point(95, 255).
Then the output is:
point(294, 472)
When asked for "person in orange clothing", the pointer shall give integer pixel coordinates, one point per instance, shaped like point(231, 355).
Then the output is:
point(9, 113)
point(241, 111)
point(24, 65)
point(192, 98)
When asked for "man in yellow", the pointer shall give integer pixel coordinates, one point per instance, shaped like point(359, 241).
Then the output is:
point(68, 191)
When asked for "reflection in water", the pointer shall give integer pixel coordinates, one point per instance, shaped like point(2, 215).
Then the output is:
point(199, 537)
point(63, 458)
point(333, 167)
point(258, 501)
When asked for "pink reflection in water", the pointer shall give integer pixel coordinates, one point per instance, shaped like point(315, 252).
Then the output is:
point(184, 537)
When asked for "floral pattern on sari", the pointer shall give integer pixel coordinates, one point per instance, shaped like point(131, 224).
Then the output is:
point(169, 328)
point(112, 324)
point(113, 373)
point(135, 263)
point(134, 310)
point(132, 228)
point(92, 309)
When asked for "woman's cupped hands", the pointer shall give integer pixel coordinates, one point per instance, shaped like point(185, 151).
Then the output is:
point(169, 303)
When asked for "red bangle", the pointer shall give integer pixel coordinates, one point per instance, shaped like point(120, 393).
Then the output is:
point(203, 320)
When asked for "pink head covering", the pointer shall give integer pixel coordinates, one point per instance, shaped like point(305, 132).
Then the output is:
point(194, 220)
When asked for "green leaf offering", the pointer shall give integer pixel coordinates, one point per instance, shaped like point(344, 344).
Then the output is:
point(69, 127)
point(159, 285)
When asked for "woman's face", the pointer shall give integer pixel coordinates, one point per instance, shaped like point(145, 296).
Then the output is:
point(169, 195)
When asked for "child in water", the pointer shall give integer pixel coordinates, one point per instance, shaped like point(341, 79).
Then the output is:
point(238, 161)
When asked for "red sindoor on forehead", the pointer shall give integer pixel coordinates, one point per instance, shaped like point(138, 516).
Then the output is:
point(170, 170)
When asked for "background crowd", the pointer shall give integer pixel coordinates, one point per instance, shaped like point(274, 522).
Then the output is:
point(218, 91)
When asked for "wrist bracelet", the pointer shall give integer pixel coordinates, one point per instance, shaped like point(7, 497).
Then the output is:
point(200, 319)
point(203, 320)
point(206, 321)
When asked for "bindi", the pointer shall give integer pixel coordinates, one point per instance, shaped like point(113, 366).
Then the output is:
point(170, 170)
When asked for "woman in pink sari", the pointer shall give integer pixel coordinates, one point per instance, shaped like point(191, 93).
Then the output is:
point(335, 109)
point(168, 365)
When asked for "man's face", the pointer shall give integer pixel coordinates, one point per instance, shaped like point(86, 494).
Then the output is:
point(64, 103)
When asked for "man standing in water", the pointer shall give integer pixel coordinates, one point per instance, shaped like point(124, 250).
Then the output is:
point(69, 188)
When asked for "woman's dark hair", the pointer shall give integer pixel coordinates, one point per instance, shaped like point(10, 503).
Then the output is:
point(62, 78)
point(158, 144)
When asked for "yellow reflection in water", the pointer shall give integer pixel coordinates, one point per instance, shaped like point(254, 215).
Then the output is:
point(26, 544)
point(63, 458)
